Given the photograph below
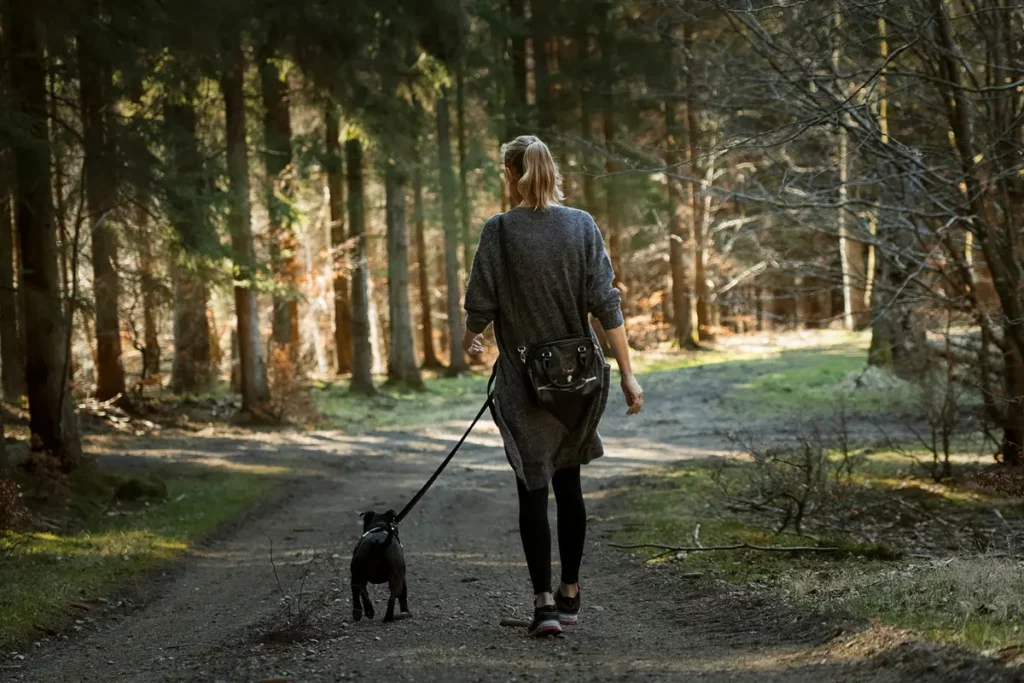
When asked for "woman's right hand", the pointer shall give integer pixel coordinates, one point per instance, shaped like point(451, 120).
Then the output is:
point(634, 394)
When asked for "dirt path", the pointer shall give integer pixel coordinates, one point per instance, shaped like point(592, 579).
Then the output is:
point(201, 620)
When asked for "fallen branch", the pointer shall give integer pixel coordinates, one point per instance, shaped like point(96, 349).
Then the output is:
point(737, 546)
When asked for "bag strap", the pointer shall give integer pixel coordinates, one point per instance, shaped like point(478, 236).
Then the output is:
point(581, 300)
point(520, 343)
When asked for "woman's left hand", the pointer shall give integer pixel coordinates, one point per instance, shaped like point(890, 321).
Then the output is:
point(472, 343)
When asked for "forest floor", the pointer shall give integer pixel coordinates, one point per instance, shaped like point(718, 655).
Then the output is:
point(220, 613)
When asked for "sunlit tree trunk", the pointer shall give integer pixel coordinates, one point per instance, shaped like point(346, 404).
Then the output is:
point(255, 389)
point(697, 171)
point(12, 351)
point(277, 156)
point(51, 416)
point(430, 360)
point(362, 351)
point(336, 189)
point(458, 363)
point(100, 188)
point(402, 365)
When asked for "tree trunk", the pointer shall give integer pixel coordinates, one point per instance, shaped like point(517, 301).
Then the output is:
point(336, 189)
point(586, 119)
point(191, 371)
point(682, 305)
point(851, 252)
point(147, 266)
point(277, 156)
point(430, 361)
point(517, 106)
point(612, 209)
point(402, 367)
point(255, 390)
point(458, 362)
point(5, 463)
point(52, 418)
point(539, 10)
point(12, 350)
point(362, 351)
point(465, 208)
point(190, 367)
point(700, 278)
point(1012, 447)
point(100, 188)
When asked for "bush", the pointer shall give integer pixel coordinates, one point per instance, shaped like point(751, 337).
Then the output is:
point(795, 478)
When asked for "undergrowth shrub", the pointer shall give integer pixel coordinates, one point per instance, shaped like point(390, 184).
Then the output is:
point(793, 478)
point(291, 399)
point(14, 517)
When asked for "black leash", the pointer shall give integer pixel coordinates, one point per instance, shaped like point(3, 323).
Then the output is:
point(437, 473)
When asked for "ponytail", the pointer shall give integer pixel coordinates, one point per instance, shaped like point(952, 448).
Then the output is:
point(540, 183)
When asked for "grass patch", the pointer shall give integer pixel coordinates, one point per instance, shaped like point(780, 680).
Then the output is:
point(399, 407)
point(44, 573)
point(806, 382)
point(972, 597)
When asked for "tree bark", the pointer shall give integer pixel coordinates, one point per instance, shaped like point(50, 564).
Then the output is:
point(518, 105)
point(682, 304)
point(458, 363)
point(465, 208)
point(402, 367)
point(147, 266)
point(700, 278)
point(100, 188)
point(12, 350)
point(613, 216)
point(336, 190)
point(430, 360)
point(52, 418)
point(255, 390)
point(277, 137)
point(362, 351)
point(191, 371)
point(586, 118)
point(190, 367)
point(5, 463)
point(539, 10)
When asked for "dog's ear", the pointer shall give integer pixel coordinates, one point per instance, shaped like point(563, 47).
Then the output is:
point(389, 516)
point(367, 518)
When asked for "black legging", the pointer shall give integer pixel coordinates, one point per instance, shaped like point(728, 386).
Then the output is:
point(536, 534)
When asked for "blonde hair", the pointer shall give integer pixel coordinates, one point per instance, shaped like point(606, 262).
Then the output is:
point(540, 183)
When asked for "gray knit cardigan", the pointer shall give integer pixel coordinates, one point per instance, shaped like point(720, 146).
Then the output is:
point(556, 257)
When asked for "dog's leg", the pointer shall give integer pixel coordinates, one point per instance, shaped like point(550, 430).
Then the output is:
point(367, 605)
point(403, 597)
point(395, 586)
point(357, 607)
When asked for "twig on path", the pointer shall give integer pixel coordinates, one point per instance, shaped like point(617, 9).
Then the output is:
point(737, 546)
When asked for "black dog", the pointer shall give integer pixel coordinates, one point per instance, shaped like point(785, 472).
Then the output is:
point(378, 558)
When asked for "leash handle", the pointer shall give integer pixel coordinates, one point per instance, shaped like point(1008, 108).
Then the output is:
point(437, 473)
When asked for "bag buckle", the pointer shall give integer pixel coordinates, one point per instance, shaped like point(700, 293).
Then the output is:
point(522, 354)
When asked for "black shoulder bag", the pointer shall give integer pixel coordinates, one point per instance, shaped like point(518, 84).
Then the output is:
point(558, 369)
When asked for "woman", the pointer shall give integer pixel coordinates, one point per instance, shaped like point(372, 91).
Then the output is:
point(555, 258)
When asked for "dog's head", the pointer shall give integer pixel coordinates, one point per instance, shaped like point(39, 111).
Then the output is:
point(377, 520)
